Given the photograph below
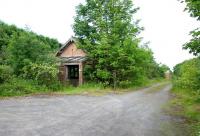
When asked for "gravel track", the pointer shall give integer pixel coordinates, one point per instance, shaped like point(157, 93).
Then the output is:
point(138, 113)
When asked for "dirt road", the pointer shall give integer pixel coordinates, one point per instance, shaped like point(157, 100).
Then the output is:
point(137, 113)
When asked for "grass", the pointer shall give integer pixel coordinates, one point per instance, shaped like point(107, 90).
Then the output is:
point(98, 90)
point(20, 87)
point(186, 104)
point(158, 87)
point(86, 89)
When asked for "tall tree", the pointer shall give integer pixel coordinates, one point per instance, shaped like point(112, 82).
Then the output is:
point(107, 31)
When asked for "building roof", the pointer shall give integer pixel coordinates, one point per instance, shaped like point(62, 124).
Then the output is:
point(65, 45)
point(73, 59)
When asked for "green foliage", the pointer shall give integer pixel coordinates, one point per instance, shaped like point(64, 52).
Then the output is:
point(28, 57)
point(43, 74)
point(8, 33)
point(193, 7)
point(162, 69)
point(194, 44)
point(25, 49)
point(6, 73)
point(187, 74)
point(107, 32)
point(188, 103)
point(18, 87)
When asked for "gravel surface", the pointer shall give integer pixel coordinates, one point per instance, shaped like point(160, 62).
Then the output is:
point(137, 113)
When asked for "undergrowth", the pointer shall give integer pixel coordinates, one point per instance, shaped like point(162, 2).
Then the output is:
point(186, 104)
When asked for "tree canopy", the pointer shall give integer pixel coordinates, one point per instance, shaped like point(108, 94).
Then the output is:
point(20, 40)
point(194, 44)
point(108, 33)
point(193, 7)
point(27, 55)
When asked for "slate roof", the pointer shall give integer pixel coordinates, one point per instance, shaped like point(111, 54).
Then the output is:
point(73, 59)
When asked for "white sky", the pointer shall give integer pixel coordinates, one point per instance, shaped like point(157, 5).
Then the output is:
point(166, 25)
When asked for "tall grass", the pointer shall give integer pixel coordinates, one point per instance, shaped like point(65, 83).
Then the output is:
point(188, 103)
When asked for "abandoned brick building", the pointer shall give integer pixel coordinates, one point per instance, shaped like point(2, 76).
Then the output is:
point(71, 63)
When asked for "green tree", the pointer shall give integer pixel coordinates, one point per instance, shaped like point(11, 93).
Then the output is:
point(162, 69)
point(24, 49)
point(107, 32)
point(9, 33)
point(193, 7)
point(27, 61)
point(194, 44)
point(19, 47)
point(5, 35)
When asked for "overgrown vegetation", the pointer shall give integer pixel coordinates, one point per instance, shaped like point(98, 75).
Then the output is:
point(105, 30)
point(94, 89)
point(108, 33)
point(27, 62)
point(186, 104)
point(186, 82)
point(187, 74)
point(186, 79)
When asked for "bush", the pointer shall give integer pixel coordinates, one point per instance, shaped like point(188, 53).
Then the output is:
point(17, 87)
point(6, 73)
point(187, 74)
point(125, 84)
point(44, 75)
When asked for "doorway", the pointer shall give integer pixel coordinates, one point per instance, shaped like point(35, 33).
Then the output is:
point(73, 74)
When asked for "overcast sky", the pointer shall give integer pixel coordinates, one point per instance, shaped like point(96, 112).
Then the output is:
point(166, 25)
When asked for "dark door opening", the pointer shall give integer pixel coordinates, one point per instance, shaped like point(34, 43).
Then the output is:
point(73, 74)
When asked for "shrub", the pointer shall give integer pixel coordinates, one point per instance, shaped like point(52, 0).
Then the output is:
point(125, 84)
point(44, 75)
point(6, 73)
point(17, 86)
point(187, 74)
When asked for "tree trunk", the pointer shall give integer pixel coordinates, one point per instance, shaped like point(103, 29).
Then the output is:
point(114, 80)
